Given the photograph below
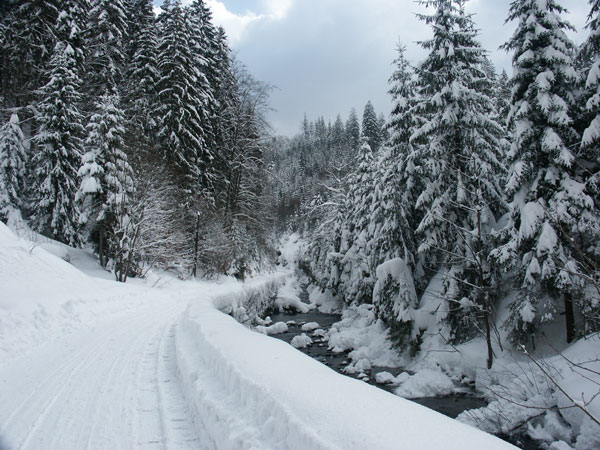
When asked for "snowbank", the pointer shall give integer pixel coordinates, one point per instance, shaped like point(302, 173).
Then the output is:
point(366, 337)
point(251, 391)
point(426, 383)
point(524, 393)
point(276, 328)
point(288, 297)
point(43, 296)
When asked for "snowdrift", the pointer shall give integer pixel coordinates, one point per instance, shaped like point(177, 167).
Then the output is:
point(42, 296)
point(251, 391)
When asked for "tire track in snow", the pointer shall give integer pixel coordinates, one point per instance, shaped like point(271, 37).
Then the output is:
point(88, 397)
point(178, 426)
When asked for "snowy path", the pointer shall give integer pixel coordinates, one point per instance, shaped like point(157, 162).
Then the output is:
point(113, 386)
point(87, 364)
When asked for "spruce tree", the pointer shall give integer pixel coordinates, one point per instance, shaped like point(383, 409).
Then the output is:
point(180, 104)
point(549, 198)
point(57, 146)
point(139, 98)
point(12, 166)
point(370, 127)
point(106, 37)
point(588, 168)
point(27, 46)
point(353, 132)
point(338, 132)
point(457, 147)
point(356, 277)
point(591, 134)
point(106, 178)
point(204, 41)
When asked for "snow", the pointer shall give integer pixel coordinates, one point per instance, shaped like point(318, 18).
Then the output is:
point(277, 397)
point(310, 326)
point(290, 249)
point(385, 378)
point(531, 215)
point(98, 364)
point(406, 296)
point(426, 383)
point(301, 341)
point(547, 241)
point(276, 328)
point(288, 297)
point(324, 301)
point(520, 390)
point(366, 337)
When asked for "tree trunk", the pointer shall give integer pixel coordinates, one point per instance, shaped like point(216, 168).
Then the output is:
point(101, 245)
point(569, 317)
point(484, 295)
point(488, 339)
point(196, 243)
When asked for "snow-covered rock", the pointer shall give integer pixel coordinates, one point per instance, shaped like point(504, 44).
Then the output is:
point(385, 378)
point(301, 341)
point(310, 326)
point(276, 328)
point(426, 383)
point(319, 332)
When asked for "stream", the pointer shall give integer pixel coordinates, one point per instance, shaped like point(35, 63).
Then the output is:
point(450, 405)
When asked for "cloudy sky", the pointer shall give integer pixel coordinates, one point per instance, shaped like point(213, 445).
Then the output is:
point(326, 56)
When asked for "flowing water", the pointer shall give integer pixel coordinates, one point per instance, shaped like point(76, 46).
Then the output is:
point(450, 405)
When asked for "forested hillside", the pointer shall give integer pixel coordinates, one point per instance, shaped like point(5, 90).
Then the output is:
point(140, 134)
point(490, 181)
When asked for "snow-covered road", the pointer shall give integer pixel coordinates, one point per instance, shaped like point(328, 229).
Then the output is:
point(113, 386)
point(88, 363)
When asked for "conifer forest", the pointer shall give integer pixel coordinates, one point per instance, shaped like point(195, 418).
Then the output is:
point(465, 221)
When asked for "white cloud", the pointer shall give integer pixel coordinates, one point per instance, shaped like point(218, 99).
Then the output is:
point(234, 24)
point(278, 9)
point(237, 24)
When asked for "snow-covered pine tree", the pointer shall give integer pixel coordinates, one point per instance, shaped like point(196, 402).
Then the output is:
point(356, 278)
point(139, 96)
point(213, 55)
point(390, 238)
point(394, 209)
point(588, 168)
point(106, 37)
point(12, 166)
point(106, 178)
point(27, 45)
point(353, 132)
point(382, 124)
point(549, 200)
point(591, 135)
point(57, 146)
point(502, 99)
point(338, 144)
point(180, 104)
point(457, 149)
point(370, 127)
point(392, 223)
point(205, 47)
point(324, 253)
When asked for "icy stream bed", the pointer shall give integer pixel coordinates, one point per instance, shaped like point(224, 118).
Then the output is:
point(450, 405)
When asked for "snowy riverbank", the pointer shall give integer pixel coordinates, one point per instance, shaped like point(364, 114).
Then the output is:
point(167, 366)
